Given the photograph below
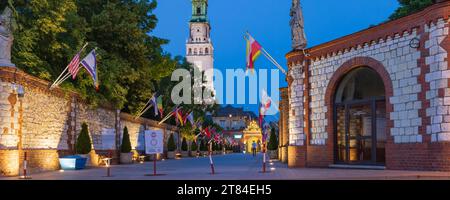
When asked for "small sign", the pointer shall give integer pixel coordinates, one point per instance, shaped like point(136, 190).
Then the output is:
point(154, 141)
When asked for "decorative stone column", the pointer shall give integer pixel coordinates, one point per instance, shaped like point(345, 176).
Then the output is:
point(297, 138)
point(9, 127)
point(283, 124)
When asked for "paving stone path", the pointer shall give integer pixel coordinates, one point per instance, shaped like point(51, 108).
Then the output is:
point(230, 167)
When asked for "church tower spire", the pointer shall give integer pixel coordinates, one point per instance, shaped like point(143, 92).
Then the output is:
point(199, 47)
point(199, 10)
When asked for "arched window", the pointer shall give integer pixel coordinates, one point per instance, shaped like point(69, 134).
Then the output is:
point(190, 51)
point(195, 51)
point(199, 10)
point(206, 51)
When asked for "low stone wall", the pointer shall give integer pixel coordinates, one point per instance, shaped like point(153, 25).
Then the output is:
point(45, 124)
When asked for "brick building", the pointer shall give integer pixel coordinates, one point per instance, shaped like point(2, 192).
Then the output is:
point(379, 97)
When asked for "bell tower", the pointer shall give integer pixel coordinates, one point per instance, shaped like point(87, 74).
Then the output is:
point(199, 47)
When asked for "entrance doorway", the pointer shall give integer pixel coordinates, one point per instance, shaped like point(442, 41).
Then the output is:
point(360, 118)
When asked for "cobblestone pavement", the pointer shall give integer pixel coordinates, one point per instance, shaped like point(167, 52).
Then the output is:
point(231, 167)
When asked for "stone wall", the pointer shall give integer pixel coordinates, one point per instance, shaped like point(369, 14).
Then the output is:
point(416, 80)
point(283, 125)
point(45, 123)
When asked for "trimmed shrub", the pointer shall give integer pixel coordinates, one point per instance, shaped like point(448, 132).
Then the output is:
point(194, 146)
point(171, 144)
point(84, 143)
point(126, 144)
point(273, 142)
point(184, 145)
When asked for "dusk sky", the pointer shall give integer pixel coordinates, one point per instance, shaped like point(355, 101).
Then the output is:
point(268, 22)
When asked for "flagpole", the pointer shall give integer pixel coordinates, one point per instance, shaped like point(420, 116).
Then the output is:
point(143, 110)
point(59, 77)
point(61, 80)
point(268, 56)
point(166, 118)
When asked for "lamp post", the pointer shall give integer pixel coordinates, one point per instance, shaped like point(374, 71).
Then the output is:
point(20, 91)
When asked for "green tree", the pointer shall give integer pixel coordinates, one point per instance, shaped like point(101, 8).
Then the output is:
point(184, 145)
point(408, 7)
point(171, 143)
point(84, 144)
point(194, 146)
point(131, 59)
point(126, 144)
point(273, 141)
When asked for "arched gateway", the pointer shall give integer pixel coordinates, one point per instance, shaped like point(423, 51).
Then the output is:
point(357, 97)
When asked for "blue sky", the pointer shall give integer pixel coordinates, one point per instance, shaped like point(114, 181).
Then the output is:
point(268, 22)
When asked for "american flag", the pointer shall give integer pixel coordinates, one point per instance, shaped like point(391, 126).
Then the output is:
point(74, 66)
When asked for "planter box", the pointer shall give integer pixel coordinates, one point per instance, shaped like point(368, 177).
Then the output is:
point(194, 153)
point(273, 154)
point(171, 155)
point(185, 154)
point(72, 162)
point(126, 158)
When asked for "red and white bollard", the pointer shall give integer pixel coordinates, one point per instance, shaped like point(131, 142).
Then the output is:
point(210, 159)
point(25, 163)
point(264, 158)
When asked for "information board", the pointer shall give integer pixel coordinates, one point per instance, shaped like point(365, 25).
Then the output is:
point(154, 141)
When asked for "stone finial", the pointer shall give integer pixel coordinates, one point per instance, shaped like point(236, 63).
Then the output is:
point(6, 37)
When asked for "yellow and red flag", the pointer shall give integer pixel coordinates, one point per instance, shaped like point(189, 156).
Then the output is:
point(253, 52)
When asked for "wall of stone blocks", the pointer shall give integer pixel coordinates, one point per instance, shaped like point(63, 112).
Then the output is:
point(45, 123)
point(438, 95)
point(400, 61)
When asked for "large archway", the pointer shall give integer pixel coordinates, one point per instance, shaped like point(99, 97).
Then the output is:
point(358, 112)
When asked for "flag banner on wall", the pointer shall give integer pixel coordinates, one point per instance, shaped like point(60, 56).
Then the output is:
point(253, 52)
point(74, 65)
point(159, 103)
point(154, 103)
point(90, 64)
point(190, 117)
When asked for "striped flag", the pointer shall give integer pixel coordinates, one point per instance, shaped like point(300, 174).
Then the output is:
point(154, 104)
point(190, 117)
point(253, 52)
point(74, 66)
point(90, 64)
point(160, 105)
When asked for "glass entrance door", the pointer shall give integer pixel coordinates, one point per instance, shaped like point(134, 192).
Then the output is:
point(360, 132)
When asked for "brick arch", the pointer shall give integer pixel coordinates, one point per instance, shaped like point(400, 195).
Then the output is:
point(338, 75)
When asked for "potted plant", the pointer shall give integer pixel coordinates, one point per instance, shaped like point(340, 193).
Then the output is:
point(184, 148)
point(82, 149)
point(273, 145)
point(171, 147)
point(194, 149)
point(126, 156)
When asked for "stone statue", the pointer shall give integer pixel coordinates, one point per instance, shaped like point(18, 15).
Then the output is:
point(297, 26)
point(6, 37)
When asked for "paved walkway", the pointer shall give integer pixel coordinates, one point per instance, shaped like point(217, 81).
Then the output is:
point(231, 167)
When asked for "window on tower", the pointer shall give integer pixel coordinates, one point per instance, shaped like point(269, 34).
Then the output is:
point(206, 51)
point(190, 51)
point(199, 11)
point(195, 51)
